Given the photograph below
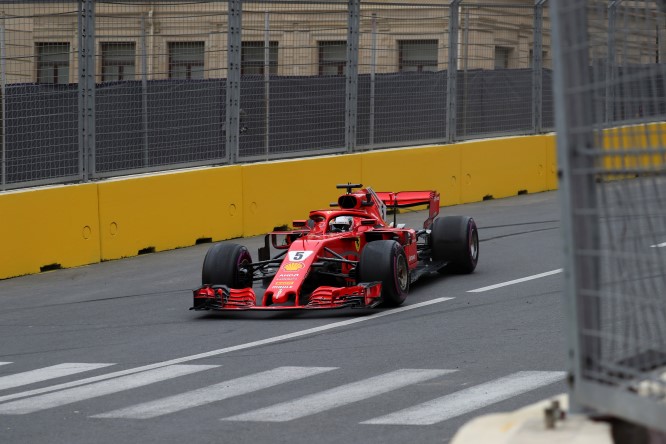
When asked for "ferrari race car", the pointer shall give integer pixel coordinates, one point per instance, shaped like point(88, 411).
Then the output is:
point(346, 256)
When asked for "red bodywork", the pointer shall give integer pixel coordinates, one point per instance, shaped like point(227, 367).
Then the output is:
point(316, 267)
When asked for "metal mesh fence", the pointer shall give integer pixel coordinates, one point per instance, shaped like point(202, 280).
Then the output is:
point(160, 89)
point(36, 44)
point(92, 89)
point(608, 61)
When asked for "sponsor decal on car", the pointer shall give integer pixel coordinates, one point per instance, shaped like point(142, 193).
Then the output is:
point(358, 244)
point(293, 266)
point(298, 256)
point(285, 283)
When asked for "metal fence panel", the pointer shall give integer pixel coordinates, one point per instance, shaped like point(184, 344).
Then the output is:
point(160, 99)
point(170, 84)
point(498, 40)
point(608, 70)
point(40, 123)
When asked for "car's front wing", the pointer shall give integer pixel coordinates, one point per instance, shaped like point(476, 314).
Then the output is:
point(220, 297)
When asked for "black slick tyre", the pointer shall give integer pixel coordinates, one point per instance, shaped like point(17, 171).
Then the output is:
point(385, 261)
point(455, 239)
point(227, 264)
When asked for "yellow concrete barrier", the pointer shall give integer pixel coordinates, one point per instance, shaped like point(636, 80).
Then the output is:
point(48, 228)
point(433, 167)
point(503, 167)
point(276, 193)
point(82, 224)
point(171, 210)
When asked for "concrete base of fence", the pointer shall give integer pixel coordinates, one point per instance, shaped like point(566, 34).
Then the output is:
point(68, 226)
point(529, 426)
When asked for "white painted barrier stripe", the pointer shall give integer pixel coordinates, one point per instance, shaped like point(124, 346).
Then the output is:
point(470, 399)
point(516, 281)
point(222, 351)
point(339, 396)
point(90, 391)
point(46, 373)
point(661, 245)
point(216, 392)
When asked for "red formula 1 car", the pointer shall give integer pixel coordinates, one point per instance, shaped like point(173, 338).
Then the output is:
point(348, 256)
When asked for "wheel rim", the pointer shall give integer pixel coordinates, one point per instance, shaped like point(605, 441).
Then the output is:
point(402, 273)
point(474, 245)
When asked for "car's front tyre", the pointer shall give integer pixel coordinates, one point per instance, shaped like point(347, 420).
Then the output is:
point(385, 261)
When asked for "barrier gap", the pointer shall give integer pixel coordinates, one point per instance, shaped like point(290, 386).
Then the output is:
point(521, 192)
point(488, 197)
point(50, 267)
point(146, 250)
point(203, 240)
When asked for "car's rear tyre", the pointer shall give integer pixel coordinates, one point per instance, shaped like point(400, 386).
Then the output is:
point(455, 239)
point(385, 261)
point(227, 264)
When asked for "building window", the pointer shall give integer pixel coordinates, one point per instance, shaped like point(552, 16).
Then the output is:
point(332, 58)
point(186, 60)
point(118, 61)
point(502, 55)
point(417, 56)
point(252, 57)
point(52, 63)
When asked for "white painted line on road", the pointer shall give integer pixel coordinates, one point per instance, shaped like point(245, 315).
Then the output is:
point(661, 245)
point(470, 399)
point(5, 363)
point(217, 392)
point(225, 350)
point(516, 281)
point(46, 373)
point(90, 391)
point(339, 396)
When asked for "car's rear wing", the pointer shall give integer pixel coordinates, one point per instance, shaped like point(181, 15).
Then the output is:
point(407, 199)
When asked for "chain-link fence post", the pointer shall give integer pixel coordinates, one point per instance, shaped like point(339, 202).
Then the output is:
point(610, 61)
point(373, 81)
point(452, 72)
point(144, 91)
point(3, 80)
point(267, 82)
point(351, 90)
point(537, 67)
point(86, 59)
point(574, 121)
point(235, 14)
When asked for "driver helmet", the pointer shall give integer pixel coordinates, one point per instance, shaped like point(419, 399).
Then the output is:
point(341, 223)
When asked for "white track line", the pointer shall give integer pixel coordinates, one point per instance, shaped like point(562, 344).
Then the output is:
point(46, 373)
point(222, 351)
point(470, 399)
point(5, 363)
point(217, 392)
point(516, 281)
point(661, 245)
point(339, 396)
point(90, 391)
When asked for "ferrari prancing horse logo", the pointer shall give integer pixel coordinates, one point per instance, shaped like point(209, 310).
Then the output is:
point(358, 244)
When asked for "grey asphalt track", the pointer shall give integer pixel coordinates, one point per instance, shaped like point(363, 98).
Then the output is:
point(133, 313)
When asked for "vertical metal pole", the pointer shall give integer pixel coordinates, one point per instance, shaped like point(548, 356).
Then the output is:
point(610, 62)
point(452, 71)
point(144, 91)
point(351, 90)
point(87, 88)
point(267, 82)
point(465, 62)
point(373, 72)
point(233, 79)
point(537, 68)
point(574, 122)
point(3, 80)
